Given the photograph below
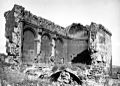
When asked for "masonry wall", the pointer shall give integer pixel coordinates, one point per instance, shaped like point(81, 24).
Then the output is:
point(13, 28)
point(31, 37)
point(100, 45)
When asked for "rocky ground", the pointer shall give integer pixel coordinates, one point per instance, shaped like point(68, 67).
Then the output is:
point(54, 75)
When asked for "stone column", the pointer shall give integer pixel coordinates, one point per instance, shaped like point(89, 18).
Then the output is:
point(20, 27)
point(53, 47)
point(38, 44)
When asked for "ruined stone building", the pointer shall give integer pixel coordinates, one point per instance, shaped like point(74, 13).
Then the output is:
point(32, 39)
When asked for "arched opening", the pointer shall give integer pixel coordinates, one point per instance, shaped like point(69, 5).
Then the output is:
point(75, 28)
point(59, 49)
point(66, 77)
point(46, 47)
point(28, 45)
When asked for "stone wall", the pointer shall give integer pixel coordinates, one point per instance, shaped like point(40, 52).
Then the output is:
point(13, 28)
point(39, 37)
point(100, 45)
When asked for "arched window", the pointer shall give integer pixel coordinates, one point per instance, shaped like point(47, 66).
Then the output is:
point(28, 45)
point(46, 47)
point(59, 49)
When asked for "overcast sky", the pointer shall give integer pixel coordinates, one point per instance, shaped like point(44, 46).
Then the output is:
point(65, 12)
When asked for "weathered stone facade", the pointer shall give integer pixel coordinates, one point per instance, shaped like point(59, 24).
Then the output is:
point(79, 52)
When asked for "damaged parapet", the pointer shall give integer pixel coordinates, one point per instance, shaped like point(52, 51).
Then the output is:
point(32, 39)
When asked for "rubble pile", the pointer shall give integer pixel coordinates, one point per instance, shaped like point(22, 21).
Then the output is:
point(56, 75)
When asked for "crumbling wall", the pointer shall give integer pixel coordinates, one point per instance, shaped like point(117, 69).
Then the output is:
point(76, 47)
point(100, 39)
point(77, 31)
point(78, 41)
point(13, 29)
point(16, 21)
point(17, 16)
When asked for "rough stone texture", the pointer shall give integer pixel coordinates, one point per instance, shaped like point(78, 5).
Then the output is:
point(41, 53)
point(100, 44)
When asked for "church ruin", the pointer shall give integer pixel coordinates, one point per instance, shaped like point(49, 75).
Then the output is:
point(36, 40)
